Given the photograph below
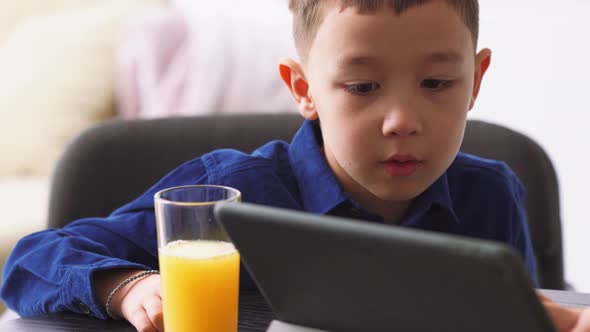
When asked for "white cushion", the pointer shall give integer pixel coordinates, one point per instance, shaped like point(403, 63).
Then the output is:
point(57, 78)
point(14, 12)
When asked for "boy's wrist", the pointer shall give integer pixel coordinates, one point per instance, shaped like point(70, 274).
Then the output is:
point(106, 281)
point(123, 287)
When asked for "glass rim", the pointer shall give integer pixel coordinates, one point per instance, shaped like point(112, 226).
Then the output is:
point(158, 196)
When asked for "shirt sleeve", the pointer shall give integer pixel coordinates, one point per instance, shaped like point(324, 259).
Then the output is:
point(51, 271)
point(521, 235)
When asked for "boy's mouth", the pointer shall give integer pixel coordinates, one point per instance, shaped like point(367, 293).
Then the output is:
point(401, 165)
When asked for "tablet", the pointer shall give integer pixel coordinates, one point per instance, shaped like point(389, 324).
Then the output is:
point(340, 274)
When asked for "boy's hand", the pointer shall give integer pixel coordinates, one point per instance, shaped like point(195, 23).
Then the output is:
point(139, 302)
point(567, 319)
point(584, 321)
point(142, 305)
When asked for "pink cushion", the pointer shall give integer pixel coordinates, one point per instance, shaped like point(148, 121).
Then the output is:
point(199, 57)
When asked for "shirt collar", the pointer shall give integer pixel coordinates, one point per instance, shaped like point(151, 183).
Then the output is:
point(320, 190)
point(318, 186)
point(438, 194)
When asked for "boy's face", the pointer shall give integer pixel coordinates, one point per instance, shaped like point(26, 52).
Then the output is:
point(392, 94)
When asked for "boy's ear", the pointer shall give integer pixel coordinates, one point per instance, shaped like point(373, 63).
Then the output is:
point(293, 76)
point(482, 63)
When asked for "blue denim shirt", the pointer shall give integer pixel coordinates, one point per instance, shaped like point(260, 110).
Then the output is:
point(52, 270)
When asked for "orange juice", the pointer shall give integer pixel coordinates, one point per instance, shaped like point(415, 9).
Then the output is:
point(200, 281)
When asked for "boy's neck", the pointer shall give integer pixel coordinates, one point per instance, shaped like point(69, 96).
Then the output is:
point(391, 212)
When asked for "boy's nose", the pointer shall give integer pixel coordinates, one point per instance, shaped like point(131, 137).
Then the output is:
point(401, 123)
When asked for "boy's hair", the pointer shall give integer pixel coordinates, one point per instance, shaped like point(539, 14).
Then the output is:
point(308, 15)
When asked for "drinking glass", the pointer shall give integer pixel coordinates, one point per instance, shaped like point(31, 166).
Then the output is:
point(199, 266)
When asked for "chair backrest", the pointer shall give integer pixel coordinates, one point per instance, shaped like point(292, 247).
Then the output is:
point(114, 162)
point(534, 168)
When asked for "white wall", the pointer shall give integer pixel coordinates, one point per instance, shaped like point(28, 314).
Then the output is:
point(539, 83)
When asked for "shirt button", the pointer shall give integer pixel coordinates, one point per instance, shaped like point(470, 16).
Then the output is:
point(84, 308)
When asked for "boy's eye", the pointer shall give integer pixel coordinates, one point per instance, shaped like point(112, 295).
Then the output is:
point(436, 85)
point(362, 88)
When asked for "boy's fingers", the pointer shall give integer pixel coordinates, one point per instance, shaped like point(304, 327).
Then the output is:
point(584, 322)
point(563, 318)
point(154, 311)
point(140, 320)
point(544, 298)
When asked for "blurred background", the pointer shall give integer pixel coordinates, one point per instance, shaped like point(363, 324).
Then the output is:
point(66, 65)
point(538, 84)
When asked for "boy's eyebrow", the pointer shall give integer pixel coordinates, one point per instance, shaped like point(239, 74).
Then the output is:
point(364, 60)
point(356, 60)
point(448, 56)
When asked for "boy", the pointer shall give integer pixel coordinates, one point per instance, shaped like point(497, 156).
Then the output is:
point(385, 87)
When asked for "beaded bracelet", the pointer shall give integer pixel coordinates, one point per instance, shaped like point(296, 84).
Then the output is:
point(123, 284)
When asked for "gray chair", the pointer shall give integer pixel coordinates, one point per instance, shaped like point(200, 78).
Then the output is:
point(113, 163)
